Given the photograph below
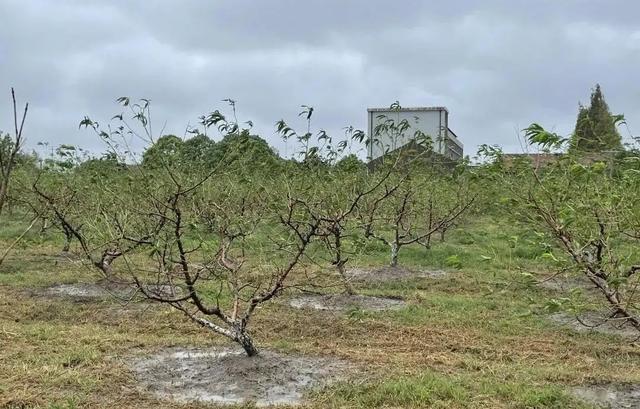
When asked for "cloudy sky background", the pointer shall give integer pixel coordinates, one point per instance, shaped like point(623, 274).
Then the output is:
point(497, 65)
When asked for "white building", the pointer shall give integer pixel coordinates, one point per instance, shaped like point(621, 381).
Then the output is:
point(432, 121)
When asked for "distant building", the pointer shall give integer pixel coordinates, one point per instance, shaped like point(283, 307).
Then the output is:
point(432, 121)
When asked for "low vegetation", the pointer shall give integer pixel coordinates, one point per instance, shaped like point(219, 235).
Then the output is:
point(208, 238)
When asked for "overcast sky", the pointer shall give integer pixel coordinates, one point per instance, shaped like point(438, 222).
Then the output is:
point(497, 65)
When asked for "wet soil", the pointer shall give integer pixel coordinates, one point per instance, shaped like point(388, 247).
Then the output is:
point(596, 322)
point(610, 396)
point(77, 290)
point(228, 376)
point(345, 302)
point(103, 289)
point(569, 283)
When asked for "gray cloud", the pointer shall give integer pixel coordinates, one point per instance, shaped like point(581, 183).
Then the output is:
point(497, 65)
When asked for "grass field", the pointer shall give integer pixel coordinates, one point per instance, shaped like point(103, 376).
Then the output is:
point(479, 337)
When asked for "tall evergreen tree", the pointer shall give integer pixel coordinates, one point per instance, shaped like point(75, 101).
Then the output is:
point(595, 126)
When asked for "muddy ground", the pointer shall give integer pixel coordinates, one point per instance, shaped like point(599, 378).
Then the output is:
point(76, 290)
point(388, 273)
point(610, 396)
point(103, 289)
point(596, 322)
point(566, 283)
point(345, 302)
point(228, 376)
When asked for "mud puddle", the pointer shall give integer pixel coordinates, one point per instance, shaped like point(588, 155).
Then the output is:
point(77, 290)
point(610, 396)
point(104, 289)
point(228, 376)
point(567, 284)
point(596, 322)
point(345, 302)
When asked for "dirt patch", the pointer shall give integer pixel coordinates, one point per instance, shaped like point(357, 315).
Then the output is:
point(596, 322)
point(228, 376)
point(105, 288)
point(389, 273)
point(345, 302)
point(77, 290)
point(83, 291)
point(610, 396)
point(566, 284)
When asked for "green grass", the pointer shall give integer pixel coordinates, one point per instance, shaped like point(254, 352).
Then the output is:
point(425, 390)
point(433, 390)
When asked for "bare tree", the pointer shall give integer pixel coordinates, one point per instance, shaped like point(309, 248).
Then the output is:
point(405, 214)
point(43, 205)
point(220, 288)
point(338, 213)
point(113, 235)
point(10, 147)
point(189, 240)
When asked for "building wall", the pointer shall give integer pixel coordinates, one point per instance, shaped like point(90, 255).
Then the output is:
point(454, 148)
point(431, 121)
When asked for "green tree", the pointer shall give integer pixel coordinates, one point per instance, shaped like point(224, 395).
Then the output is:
point(595, 129)
point(590, 217)
point(243, 149)
point(199, 151)
point(350, 163)
point(165, 152)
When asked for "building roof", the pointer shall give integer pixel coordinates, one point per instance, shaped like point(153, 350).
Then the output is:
point(408, 109)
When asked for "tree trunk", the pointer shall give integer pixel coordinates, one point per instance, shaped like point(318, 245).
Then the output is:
point(246, 342)
point(347, 284)
point(67, 241)
point(234, 330)
point(394, 255)
point(3, 194)
point(45, 225)
point(105, 263)
point(105, 267)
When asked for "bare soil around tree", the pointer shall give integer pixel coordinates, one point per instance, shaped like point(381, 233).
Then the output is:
point(228, 376)
point(596, 322)
point(610, 395)
point(566, 283)
point(102, 289)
